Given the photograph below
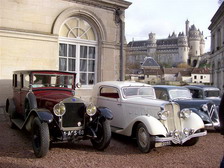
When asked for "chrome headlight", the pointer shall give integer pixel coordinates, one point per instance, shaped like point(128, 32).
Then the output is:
point(91, 110)
point(163, 115)
point(59, 109)
point(204, 107)
point(185, 113)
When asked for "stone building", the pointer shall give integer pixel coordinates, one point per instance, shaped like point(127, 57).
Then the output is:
point(182, 48)
point(82, 36)
point(217, 48)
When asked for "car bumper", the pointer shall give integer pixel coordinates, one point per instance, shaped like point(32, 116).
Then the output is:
point(164, 141)
point(212, 124)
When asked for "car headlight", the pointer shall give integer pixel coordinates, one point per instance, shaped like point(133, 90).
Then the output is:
point(163, 115)
point(185, 113)
point(91, 110)
point(204, 107)
point(59, 109)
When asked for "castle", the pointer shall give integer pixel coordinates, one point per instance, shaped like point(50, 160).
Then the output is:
point(185, 48)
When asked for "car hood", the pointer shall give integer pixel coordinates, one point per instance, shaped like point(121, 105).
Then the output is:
point(215, 100)
point(191, 103)
point(145, 101)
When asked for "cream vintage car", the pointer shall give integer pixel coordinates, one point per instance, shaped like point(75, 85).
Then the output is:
point(137, 113)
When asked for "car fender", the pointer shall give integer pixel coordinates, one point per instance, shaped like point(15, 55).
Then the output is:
point(105, 112)
point(10, 107)
point(193, 122)
point(43, 114)
point(201, 114)
point(32, 100)
point(153, 125)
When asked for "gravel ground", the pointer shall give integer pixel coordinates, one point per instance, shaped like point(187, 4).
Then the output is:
point(16, 152)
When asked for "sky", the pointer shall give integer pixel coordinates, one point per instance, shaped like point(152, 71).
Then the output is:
point(163, 17)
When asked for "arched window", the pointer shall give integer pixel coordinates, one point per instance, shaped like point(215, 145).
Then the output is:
point(78, 49)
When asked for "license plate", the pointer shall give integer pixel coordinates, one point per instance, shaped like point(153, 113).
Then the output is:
point(160, 144)
point(74, 132)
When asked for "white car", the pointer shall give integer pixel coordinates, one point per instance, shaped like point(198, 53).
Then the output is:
point(137, 113)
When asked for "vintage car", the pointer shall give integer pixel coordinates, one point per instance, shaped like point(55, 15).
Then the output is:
point(138, 114)
point(206, 109)
point(44, 104)
point(205, 92)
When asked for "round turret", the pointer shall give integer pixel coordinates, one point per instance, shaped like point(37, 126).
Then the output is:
point(182, 47)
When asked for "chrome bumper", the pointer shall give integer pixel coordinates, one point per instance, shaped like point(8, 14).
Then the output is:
point(164, 141)
point(213, 125)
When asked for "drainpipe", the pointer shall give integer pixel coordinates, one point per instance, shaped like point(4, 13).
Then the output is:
point(120, 20)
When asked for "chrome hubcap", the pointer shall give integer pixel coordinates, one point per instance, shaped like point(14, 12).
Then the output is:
point(142, 137)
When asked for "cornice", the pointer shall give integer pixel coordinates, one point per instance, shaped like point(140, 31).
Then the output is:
point(106, 4)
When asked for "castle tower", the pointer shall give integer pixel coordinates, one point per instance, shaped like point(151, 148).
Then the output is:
point(202, 44)
point(183, 48)
point(194, 44)
point(187, 28)
point(151, 44)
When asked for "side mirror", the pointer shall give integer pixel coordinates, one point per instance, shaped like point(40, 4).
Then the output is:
point(78, 85)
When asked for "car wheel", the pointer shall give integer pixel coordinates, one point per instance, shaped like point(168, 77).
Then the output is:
point(144, 140)
point(103, 134)
point(40, 137)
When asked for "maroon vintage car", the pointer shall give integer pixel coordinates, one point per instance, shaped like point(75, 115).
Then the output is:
point(44, 103)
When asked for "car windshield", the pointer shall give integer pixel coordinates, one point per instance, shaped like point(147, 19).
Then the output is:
point(180, 94)
point(212, 93)
point(52, 80)
point(138, 91)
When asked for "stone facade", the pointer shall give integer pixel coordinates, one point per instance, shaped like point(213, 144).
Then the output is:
point(217, 48)
point(31, 36)
point(182, 48)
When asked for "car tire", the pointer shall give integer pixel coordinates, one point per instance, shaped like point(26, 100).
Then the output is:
point(144, 140)
point(103, 133)
point(40, 138)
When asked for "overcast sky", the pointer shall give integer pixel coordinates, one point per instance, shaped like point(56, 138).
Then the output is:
point(166, 16)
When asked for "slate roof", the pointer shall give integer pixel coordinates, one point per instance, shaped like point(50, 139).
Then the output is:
point(150, 62)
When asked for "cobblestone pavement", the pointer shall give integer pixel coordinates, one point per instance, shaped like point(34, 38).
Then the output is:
point(16, 152)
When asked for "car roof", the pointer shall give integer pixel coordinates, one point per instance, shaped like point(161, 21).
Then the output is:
point(120, 84)
point(202, 87)
point(41, 71)
point(168, 87)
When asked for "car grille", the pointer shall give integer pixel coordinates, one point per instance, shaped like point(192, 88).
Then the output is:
point(74, 115)
point(173, 121)
point(212, 112)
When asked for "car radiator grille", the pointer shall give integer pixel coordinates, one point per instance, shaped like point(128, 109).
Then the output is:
point(173, 121)
point(74, 115)
point(212, 112)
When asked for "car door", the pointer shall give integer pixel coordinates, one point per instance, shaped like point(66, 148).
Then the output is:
point(110, 97)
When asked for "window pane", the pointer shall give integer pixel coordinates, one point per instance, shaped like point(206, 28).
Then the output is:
point(71, 64)
point(62, 64)
point(91, 78)
point(72, 51)
point(63, 50)
point(91, 66)
point(83, 65)
point(92, 52)
point(83, 52)
point(83, 77)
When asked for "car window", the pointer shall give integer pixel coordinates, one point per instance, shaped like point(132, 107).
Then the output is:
point(161, 94)
point(110, 92)
point(54, 80)
point(212, 93)
point(196, 93)
point(180, 94)
point(138, 91)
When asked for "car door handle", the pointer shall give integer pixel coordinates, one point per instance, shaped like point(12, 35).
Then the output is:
point(119, 104)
